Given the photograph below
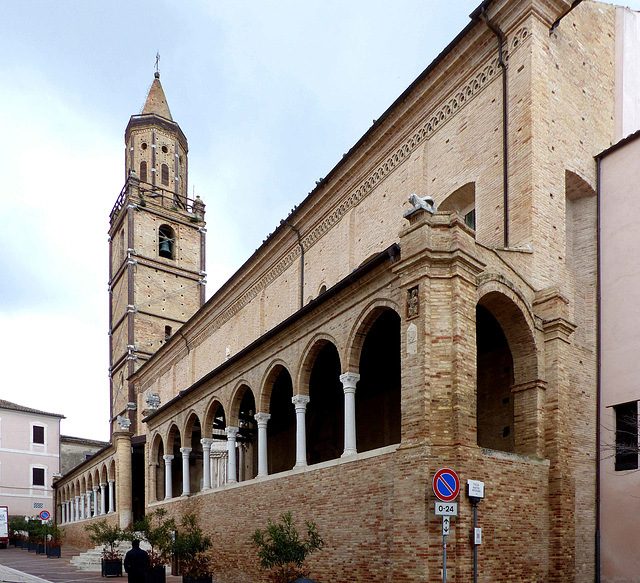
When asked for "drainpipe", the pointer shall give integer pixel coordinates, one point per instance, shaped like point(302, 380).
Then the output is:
point(495, 29)
point(598, 367)
point(286, 222)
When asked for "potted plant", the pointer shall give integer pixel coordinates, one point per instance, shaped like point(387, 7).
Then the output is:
point(108, 536)
point(18, 530)
point(54, 542)
point(283, 552)
point(190, 547)
point(156, 529)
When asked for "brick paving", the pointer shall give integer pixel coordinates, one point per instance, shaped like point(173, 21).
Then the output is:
point(21, 566)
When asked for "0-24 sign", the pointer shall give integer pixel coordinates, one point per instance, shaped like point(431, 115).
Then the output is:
point(446, 509)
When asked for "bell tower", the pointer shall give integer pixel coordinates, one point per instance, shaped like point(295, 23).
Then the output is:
point(156, 249)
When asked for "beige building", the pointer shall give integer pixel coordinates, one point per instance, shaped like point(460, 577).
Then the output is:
point(431, 303)
point(77, 450)
point(29, 458)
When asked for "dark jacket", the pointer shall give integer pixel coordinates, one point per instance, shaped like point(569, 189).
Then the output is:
point(136, 563)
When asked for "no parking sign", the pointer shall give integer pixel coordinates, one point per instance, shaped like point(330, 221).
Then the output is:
point(45, 515)
point(446, 485)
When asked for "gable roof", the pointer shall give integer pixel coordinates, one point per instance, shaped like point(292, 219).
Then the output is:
point(15, 407)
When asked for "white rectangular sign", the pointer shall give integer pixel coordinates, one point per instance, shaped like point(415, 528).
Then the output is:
point(446, 525)
point(477, 536)
point(476, 488)
point(446, 508)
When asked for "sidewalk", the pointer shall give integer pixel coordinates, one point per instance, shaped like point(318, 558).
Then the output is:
point(21, 566)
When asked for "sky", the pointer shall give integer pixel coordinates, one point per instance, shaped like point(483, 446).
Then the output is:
point(270, 94)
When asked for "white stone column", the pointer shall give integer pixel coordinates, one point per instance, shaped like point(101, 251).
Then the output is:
point(168, 480)
point(112, 489)
point(75, 513)
point(301, 402)
point(83, 506)
point(64, 512)
point(349, 381)
point(87, 501)
point(262, 419)
point(232, 433)
point(206, 462)
point(95, 500)
point(103, 488)
point(186, 478)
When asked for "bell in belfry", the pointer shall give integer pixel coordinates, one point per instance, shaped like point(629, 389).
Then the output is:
point(165, 249)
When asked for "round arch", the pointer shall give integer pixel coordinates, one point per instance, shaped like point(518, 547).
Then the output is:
point(358, 334)
point(237, 395)
point(266, 387)
point(192, 422)
point(309, 356)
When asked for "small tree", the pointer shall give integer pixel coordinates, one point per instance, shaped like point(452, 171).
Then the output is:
point(156, 530)
point(282, 551)
point(107, 536)
point(190, 546)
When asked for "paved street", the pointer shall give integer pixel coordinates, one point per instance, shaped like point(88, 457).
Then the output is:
point(21, 566)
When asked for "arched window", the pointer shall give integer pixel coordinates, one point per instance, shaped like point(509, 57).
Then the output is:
point(165, 175)
point(143, 171)
point(166, 241)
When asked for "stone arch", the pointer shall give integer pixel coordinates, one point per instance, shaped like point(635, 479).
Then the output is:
point(173, 431)
point(156, 444)
point(270, 376)
point(212, 412)
point(103, 474)
point(516, 319)
point(362, 326)
point(237, 395)
point(463, 201)
point(275, 398)
point(311, 351)
point(112, 470)
point(509, 392)
point(192, 422)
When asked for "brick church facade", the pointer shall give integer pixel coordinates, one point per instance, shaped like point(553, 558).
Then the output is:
point(431, 303)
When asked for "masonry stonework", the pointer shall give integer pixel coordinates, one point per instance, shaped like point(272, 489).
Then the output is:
point(455, 332)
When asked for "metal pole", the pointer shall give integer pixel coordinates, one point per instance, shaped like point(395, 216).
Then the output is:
point(475, 546)
point(444, 558)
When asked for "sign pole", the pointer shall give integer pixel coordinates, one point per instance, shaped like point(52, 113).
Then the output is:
point(475, 546)
point(444, 558)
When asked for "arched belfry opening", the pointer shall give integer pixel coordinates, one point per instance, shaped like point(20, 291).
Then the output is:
point(166, 242)
point(325, 412)
point(378, 394)
point(495, 379)
point(281, 430)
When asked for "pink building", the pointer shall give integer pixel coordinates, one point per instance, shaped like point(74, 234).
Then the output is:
point(29, 458)
point(619, 169)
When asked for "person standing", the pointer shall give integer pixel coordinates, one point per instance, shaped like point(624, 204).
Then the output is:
point(136, 563)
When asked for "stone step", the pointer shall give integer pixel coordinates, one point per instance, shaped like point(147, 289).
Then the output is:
point(91, 560)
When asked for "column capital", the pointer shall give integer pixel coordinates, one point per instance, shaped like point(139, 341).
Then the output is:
point(232, 432)
point(186, 450)
point(154, 464)
point(300, 401)
point(262, 418)
point(103, 484)
point(206, 442)
point(167, 457)
point(349, 380)
point(113, 481)
point(95, 488)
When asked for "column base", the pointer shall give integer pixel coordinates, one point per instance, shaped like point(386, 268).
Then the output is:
point(348, 452)
point(300, 465)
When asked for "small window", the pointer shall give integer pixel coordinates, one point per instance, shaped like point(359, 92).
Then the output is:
point(38, 477)
point(470, 219)
point(166, 240)
point(165, 149)
point(626, 436)
point(167, 332)
point(38, 434)
point(143, 171)
point(165, 175)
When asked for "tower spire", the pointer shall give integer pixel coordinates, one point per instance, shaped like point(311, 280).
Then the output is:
point(156, 101)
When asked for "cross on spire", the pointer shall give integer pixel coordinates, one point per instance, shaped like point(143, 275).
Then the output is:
point(157, 63)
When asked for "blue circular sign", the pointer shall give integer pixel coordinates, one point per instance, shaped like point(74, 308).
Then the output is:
point(446, 485)
point(45, 515)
